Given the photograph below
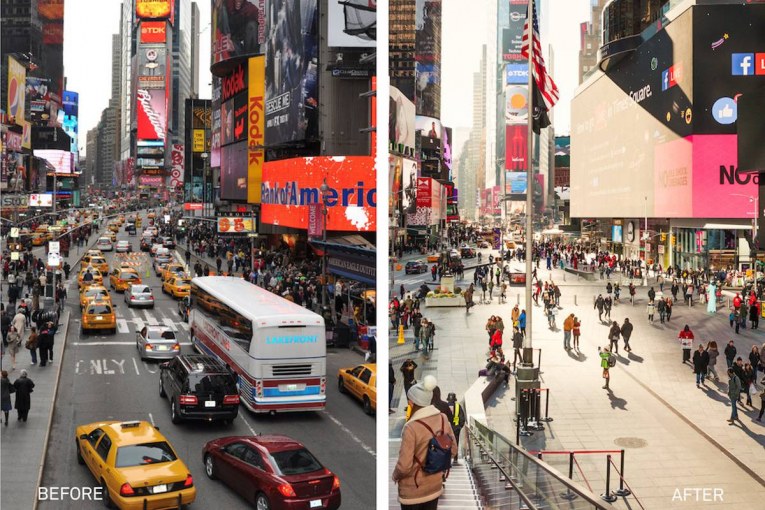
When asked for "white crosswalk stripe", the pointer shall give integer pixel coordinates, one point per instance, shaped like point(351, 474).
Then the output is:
point(138, 324)
point(150, 318)
point(184, 326)
point(169, 323)
point(122, 326)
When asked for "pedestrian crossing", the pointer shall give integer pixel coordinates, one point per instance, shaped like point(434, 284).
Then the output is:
point(132, 320)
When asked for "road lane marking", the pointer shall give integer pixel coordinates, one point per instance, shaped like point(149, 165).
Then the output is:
point(122, 326)
point(138, 324)
point(353, 436)
point(135, 365)
point(151, 418)
point(151, 319)
point(146, 366)
point(184, 326)
point(170, 323)
point(248, 424)
point(114, 343)
point(132, 313)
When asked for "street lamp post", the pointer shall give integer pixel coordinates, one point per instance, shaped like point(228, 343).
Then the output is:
point(324, 191)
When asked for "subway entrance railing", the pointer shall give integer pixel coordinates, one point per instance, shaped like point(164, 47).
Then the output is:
point(511, 478)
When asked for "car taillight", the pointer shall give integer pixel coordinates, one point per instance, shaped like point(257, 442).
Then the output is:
point(151, 297)
point(286, 490)
point(189, 400)
point(149, 347)
point(231, 399)
point(259, 388)
point(335, 483)
point(189, 481)
point(126, 490)
point(176, 347)
point(132, 298)
point(323, 385)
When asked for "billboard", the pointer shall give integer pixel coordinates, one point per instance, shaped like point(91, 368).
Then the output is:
point(291, 71)
point(151, 113)
point(176, 172)
point(233, 171)
point(233, 115)
point(395, 170)
point(62, 161)
point(217, 85)
point(512, 17)
point(154, 9)
point(516, 147)
point(51, 9)
point(429, 208)
point(352, 23)
point(429, 129)
point(235, 225)
point(290, 185)
point(256, 120)
point(446, 150)
point(153, 32)
point(71, 102)
point(517, 104)
point(401, 124)
point(516, 182)
point(41, 200)
point(428, 57)
point(17, 83)
point(152, 67)
point(517, 74)
point(409, 185)
point(238, 29)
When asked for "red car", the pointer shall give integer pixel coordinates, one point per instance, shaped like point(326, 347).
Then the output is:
point(272, 472)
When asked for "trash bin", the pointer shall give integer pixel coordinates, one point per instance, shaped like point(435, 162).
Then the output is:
point(342, 335)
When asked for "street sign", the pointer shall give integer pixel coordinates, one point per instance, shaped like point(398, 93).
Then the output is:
point(15, 232)
point(15, 255)
point(54, 247)
point(252, 234)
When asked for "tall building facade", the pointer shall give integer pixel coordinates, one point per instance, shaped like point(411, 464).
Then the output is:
point(185, 72)
point(589, 39)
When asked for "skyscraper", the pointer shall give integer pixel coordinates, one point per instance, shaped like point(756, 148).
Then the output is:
point(589, 39)
point(185, 76)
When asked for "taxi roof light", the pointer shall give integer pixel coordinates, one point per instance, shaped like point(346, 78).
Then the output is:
point(130, 424)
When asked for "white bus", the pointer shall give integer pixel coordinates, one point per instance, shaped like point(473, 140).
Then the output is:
point(277, 348)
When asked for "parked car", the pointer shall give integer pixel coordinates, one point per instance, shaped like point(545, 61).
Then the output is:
point(139, 295)
point(157, 342)
point(360, 381)
point(199, 387)
point(415, 267)
point(134, 464)
point(272, 472)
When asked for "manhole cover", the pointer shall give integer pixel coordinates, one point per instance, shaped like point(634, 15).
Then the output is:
point(630, 442)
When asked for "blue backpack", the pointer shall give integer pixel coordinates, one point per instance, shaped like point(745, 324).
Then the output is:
point(438, 456)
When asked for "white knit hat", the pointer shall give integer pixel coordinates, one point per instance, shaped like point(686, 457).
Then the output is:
point(421, 394)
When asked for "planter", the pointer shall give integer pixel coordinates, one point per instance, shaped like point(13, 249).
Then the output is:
point(444, 301)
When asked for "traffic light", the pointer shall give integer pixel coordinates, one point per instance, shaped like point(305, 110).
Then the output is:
point(663, 237)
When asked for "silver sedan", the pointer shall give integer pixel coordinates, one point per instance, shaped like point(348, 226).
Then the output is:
point(157, 342)
point(139, 295)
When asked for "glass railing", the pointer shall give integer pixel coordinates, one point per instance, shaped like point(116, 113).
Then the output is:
point(509, 477)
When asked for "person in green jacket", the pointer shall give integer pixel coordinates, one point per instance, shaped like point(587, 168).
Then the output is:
point(734, 390)
point(605, 353)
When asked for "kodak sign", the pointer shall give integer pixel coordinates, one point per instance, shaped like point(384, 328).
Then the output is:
point(153, 32)
point(256, 128)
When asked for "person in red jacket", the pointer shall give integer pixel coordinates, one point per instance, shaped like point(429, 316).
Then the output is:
point(686, 342)
point(496, 341)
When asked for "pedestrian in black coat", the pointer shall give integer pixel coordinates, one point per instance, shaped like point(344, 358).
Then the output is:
point(24, 387)
point(700, 364)
point(730, 353)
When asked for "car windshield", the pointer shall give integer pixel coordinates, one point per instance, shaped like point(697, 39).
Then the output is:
point(96, 293)
point(97, 309)
point(295, 462)
point(129, 276)
point(141, 290)
point(165, 335)
point(212, 383)
point(183, 282)
point(143, 454)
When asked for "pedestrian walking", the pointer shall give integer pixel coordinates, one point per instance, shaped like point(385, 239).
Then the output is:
point(24, 387)
point(607, 360)
point(626, 331)
point(417, 489)
point(613, 337)
point(730, 353)
point(668, 300)
point(754, 359)
point(651, 310)
point(522, 322)
point(747, 381)
point(31, 344)
point(407, 370)
point(458, 421)
point(661, 307)
point(576, 332)
point(599, 304)
point(700, 364)
point(391, 386)
point(734, 392)
point(686, 342)
point(568, 327)
point(45, 343)
point(6, 388)
point(517, 345)
point(713, 353)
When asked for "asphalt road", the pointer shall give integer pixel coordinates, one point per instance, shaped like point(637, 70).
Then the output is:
point(103, 379)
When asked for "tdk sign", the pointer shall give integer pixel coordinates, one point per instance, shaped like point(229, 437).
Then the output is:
point(747, 64)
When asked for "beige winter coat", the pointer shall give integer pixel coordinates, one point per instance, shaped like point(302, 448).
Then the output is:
point(414, 485)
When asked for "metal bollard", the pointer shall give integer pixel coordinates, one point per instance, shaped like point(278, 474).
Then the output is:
point(608, 495)
point(575, 303)
point(622, 491)
point(518, 299)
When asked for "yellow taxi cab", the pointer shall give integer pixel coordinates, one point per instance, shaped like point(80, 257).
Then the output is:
point(172, 269)
point(178, 286)
point(93, 253)
point(97, 261)
point(112, 236)
point(99, 315)
point(42, 229)
point(39, 239)
point(94, 293)
point(135, 465)
point(361, 382)
point(122, 277)
point(138, 222)
point(98, 278)
point(121, 219)
point(151, 215)
point(114, 227)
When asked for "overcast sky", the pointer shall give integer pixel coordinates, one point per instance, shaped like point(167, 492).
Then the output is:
point(465, 30)
point(88, 29)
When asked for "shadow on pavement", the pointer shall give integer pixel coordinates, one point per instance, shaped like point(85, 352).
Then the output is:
point(635, 358)
point(617, 402)
point(577, 355)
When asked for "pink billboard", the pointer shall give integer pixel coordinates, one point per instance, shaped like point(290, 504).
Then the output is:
point(673, 183)
point(151, 114)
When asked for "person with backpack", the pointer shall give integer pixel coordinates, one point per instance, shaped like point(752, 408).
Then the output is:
point(613, 337)
point(458, 420)
point(607, 361)
point(427, 447)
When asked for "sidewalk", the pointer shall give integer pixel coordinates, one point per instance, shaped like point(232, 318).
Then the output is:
point(24, 444)
point(675, 435)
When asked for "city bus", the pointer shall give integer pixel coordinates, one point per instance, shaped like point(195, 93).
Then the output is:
point(276, 348)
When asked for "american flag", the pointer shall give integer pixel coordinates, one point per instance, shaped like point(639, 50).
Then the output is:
point(546, 85)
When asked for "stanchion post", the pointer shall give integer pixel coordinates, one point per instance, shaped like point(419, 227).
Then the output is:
point(539, 360)
point(570, 465)
point(518, 429)
point(622, 491)
point(608, 495)
point(547, 405)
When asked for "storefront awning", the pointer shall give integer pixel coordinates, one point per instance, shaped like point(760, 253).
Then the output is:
point(351, 257)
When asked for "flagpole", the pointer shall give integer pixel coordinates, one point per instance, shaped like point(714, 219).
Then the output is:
point(527, 341)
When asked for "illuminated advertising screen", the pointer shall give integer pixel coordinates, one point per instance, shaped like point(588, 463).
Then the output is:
point(428, 210)
point(446, 150)
point(517, 104)
point(238, 29)
point(71, 102)
point(51, 9)
point(429, 130)
point(512, 16)
point(217, 85)
point(62, 161)
point(401, 125)
point(395, 171)
point(233, 114)
point(409, 185)
point(428, 57)
point(233, 172)
point(256, 127)
point(176, 170)
point(154, 9)
point(17, 83)
point(291, 71)
point(152, 66)
point(151, 113)
point(352, 24)
point(516, 182)
point(41, 200)
point(235, 225)
point(290, 185)
point(153, 32)
point(516, 147)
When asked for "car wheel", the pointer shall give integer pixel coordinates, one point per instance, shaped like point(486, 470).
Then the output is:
point(175, 415)
point(80, 460)
point(367, 405)
point(161, 389)
point(341, 385)
point(107, 500)
point(210, 467)
point(261, 502)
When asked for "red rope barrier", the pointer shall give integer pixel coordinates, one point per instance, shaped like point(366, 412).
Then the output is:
point(621, 478)
point(568, 452)
point(581, 473)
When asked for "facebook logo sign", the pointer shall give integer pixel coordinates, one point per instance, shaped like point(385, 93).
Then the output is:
point(742, 64)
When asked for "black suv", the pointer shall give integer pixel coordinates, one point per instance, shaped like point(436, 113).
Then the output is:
point(199, 387)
